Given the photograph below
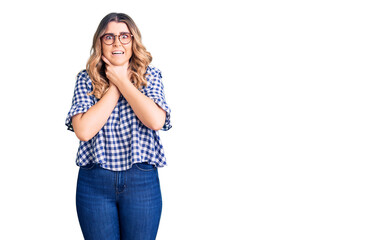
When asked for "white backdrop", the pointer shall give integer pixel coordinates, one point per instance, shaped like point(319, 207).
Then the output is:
point(273, 114)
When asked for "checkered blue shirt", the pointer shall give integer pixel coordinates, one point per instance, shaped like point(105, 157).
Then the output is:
point(124, 139)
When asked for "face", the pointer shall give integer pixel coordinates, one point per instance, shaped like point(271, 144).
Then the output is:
point(117, 53)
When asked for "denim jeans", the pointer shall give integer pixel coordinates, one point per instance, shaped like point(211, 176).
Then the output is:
point(119, 204)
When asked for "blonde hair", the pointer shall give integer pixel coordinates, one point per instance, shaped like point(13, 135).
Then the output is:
point(139, 60)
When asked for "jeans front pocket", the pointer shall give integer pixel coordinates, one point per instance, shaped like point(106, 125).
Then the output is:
point(144, 166)
point(88, 166)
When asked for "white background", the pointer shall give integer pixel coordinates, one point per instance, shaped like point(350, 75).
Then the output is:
point(273, 114)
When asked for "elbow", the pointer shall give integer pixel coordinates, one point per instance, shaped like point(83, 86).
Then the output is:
point(83, 137)
point(156, 127)
point(158, 124)
point(81, 134)
point(80, 130)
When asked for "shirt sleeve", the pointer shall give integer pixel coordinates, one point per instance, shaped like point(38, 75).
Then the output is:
point(81, 102)
point(155, 91)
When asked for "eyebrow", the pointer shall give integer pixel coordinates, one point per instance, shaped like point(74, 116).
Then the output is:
point(119, 33)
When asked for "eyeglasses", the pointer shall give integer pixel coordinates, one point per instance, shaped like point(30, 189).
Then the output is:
point(109, 38)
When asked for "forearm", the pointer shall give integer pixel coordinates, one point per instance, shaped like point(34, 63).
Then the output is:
point(87, 125)
point(149, 113)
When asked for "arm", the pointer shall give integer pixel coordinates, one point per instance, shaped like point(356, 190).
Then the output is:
point(149, 113)
point(87, 125)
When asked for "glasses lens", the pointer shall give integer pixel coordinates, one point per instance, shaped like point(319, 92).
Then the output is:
point(125, 38)
point(108, 39)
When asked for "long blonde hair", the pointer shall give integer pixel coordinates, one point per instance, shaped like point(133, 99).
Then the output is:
point(138, 62)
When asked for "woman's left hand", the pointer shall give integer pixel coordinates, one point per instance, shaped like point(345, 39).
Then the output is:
point(116, 74)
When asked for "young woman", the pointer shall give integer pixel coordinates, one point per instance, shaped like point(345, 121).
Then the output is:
point(117, 109)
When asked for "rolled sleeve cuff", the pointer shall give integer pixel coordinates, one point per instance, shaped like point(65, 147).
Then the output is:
point(75, 109)
point(167, 125)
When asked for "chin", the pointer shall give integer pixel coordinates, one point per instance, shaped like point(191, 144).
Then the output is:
point(118, 62)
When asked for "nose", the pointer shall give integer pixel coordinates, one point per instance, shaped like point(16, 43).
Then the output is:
point(116, 41)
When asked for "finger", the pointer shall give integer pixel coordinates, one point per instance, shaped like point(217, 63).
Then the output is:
point(105, 60)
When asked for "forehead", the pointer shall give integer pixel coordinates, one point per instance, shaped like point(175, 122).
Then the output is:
point(116, 27)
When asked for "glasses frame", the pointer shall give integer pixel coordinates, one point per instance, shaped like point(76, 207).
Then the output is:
point(118, 36)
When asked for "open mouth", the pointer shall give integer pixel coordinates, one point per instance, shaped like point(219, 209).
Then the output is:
point(117, 52)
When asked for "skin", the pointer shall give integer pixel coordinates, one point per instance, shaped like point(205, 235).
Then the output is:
point(119, 60)
point(88, 124)
point(117, 65)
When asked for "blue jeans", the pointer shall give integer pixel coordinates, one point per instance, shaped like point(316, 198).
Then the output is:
point(119, 205)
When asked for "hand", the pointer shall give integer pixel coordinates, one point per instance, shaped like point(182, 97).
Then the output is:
point(116, 74)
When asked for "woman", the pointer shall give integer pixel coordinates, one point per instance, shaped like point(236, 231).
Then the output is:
point(117, 109)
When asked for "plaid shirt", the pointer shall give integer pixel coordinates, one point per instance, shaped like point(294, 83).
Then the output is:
point(124, 139)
